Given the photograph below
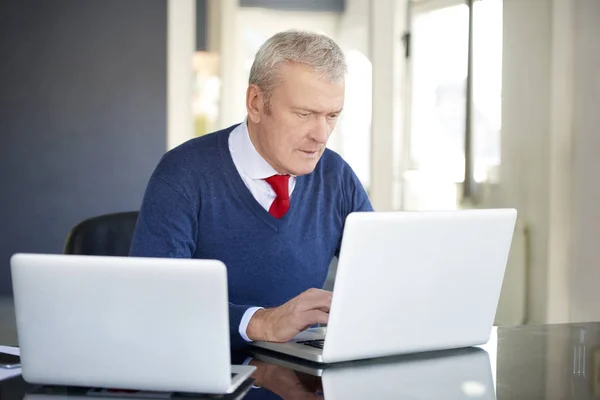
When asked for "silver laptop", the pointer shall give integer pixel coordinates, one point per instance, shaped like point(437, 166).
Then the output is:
point(411, 282)
point(124, 323)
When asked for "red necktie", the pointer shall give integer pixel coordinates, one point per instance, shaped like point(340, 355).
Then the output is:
point(279, 183)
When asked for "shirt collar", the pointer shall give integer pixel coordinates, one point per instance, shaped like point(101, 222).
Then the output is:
point(245, 156)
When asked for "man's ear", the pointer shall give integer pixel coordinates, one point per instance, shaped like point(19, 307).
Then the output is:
point(254, 103)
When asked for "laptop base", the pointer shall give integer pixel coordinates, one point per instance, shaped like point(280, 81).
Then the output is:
point(299, 347)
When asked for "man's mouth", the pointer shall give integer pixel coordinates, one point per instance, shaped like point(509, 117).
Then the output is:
point(310, 152)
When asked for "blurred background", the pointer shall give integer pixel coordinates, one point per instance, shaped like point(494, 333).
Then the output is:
point(450, 104)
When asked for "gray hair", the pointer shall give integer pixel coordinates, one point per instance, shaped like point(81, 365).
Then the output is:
point(314, 50)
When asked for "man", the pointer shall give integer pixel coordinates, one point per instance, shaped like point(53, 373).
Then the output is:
point(265, 196)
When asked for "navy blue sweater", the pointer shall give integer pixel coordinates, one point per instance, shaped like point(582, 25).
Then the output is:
point(196, 205)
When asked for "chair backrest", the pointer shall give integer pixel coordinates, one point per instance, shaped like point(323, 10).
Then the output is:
point(105, 235)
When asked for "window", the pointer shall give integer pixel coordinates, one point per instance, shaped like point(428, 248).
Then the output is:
point(438, 101)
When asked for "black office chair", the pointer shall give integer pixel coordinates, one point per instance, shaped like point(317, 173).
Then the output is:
point(105, 235)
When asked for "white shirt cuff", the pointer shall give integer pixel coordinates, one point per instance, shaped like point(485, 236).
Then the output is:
point(246, 362)
point(246, 320)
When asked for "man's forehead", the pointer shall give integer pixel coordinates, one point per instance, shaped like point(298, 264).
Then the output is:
point(287, 71)
point(309, 81)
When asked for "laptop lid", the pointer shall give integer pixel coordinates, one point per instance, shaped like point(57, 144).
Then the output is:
point(123, 322)
point(417, 281)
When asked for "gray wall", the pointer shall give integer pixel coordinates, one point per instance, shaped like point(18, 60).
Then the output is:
point(201, 25)
point(82, 115)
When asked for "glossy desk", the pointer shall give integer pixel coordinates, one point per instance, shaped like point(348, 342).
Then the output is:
point(531, 362)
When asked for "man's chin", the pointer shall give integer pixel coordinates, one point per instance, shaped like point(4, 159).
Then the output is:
point(304, 168)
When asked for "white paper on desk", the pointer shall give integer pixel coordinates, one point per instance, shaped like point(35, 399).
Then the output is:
point(9, 373)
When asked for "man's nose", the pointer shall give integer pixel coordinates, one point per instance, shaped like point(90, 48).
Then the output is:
point(320, 131)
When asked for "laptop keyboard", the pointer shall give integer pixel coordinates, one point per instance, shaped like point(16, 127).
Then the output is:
point(317, 343)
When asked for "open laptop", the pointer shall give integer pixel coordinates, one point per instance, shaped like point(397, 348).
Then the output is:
point(125, 323)
point(411, 282)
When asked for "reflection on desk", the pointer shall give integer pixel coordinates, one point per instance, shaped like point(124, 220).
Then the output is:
point(457, 374)
point(531, 362)
point(76, 393)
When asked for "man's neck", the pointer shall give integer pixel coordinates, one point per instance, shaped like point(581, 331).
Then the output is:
point(253, 132)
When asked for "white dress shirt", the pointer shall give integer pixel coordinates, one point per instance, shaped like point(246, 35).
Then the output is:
point(253, 169)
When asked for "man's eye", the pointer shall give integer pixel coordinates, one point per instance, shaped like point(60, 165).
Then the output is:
point(303, 115)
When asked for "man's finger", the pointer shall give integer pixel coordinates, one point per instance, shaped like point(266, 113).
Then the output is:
point(315, 317)
point(315, 301)
point(315, 292)
point(322, 303)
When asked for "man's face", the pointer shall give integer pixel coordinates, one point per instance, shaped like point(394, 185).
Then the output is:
point(304, 110)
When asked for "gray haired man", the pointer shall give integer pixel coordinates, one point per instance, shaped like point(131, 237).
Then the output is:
point(265, 196)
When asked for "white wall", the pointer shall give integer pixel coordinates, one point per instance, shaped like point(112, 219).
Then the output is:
point(560, 169)
point(551, 124)
point(524, 177)
point(387, 22)
point(585, 273)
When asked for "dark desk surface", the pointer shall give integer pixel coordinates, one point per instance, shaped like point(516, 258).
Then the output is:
point(530, 362)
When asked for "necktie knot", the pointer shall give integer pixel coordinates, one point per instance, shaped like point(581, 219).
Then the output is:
point(280, 185)
point(281, 204)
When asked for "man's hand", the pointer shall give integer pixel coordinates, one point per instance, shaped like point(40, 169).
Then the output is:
point(286, 383)
point(282, 323)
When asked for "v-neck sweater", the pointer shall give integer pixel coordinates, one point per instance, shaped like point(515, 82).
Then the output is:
point(196, 205)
